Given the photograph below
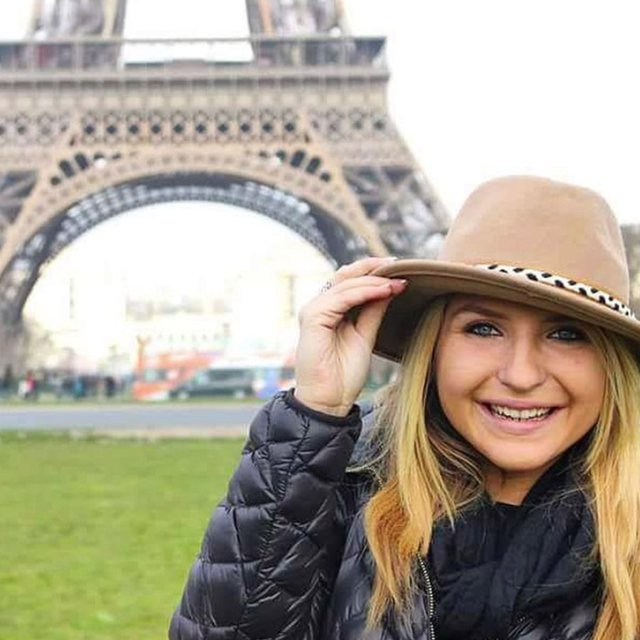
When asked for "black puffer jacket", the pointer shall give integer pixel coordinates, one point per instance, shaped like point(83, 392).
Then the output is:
point(285, 556)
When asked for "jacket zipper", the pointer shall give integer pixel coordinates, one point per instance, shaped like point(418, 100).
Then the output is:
point(430, 598)
point(431, 606)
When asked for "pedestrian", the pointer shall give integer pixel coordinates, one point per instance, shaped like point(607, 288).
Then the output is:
point(7, 382)
point(494, 490)
point(109, 386)
point(29, 387)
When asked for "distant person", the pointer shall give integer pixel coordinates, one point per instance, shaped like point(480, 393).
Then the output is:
point(28, 387)
point(495, 490)
point(7, 381)
point(109, 386)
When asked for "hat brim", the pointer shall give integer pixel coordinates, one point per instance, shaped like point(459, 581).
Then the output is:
point(428, 279)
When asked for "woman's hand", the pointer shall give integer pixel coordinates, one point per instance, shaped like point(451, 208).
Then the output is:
point(334, 351)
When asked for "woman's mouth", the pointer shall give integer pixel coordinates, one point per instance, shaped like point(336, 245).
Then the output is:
point(533, 414)
point(517, 420)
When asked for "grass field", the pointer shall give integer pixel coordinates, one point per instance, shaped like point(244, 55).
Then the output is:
point(97, 536)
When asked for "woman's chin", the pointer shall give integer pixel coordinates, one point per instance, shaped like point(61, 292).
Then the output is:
point(520, 459)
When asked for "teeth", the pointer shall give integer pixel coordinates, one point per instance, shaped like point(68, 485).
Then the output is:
point(515, 414)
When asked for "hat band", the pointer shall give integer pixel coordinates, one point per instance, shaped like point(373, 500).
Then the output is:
point(601, 297)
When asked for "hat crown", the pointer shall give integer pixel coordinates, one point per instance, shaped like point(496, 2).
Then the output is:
point(536, 223)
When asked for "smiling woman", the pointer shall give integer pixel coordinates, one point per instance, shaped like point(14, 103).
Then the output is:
point(520, 385)
point(494, 491)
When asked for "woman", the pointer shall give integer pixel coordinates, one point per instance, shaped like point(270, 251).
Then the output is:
point(497, 494)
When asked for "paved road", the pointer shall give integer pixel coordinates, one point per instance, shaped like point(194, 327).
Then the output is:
point(128, 417)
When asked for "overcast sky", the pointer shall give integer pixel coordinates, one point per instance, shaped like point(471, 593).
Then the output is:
point(486, 88)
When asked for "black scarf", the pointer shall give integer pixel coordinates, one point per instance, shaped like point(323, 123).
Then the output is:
point(502, 562)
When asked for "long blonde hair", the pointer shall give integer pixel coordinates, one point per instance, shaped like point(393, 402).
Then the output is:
point(424, 473)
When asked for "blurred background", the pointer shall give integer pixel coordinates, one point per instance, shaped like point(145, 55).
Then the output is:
point(177, 179)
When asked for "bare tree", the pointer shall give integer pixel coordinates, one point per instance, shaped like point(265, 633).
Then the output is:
point(11, 347)
point(25, 346)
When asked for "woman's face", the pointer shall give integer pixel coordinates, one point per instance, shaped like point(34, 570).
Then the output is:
point(519, 384)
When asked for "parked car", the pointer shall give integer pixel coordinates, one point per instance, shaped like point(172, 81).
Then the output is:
point(234, 382)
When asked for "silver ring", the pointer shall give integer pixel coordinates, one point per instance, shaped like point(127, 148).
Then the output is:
point(326, 286)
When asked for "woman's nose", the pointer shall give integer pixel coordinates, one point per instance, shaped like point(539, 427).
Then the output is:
point(522, 367)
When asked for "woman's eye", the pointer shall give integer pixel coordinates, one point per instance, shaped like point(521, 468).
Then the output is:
point(483, 329)
point(568, 334)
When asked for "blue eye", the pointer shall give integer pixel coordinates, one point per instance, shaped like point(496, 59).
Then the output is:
point(568, 334)
point(482, 329)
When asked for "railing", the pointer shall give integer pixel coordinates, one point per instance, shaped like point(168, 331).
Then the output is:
point(92, 56)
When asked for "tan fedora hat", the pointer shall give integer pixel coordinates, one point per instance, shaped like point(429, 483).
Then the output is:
point(524, 239)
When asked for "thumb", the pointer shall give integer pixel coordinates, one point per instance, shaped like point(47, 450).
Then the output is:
point(369, 320)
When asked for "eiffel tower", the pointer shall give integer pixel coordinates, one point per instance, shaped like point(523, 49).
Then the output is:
point(290, 121)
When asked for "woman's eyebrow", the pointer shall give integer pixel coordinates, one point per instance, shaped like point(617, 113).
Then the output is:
point(559, 318)
point(473, 307)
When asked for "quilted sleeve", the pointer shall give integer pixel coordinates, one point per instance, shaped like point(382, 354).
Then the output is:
point(271, 549)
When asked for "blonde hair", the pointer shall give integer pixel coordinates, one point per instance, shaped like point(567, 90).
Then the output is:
point(427, 473)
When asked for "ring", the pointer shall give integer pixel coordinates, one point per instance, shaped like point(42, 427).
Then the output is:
point(326, 286)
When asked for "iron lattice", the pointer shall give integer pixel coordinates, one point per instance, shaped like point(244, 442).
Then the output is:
point(296, 128)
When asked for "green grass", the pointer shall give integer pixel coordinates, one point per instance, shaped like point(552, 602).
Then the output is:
point(97, 536)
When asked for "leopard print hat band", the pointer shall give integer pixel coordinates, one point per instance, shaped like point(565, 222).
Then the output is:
point(601, 297)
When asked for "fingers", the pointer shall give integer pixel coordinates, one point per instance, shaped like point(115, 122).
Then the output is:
point(359, 268)
point(329, 308)
point(360, 293)
point(356, 291)
point(352, 286)
point(354, 283)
